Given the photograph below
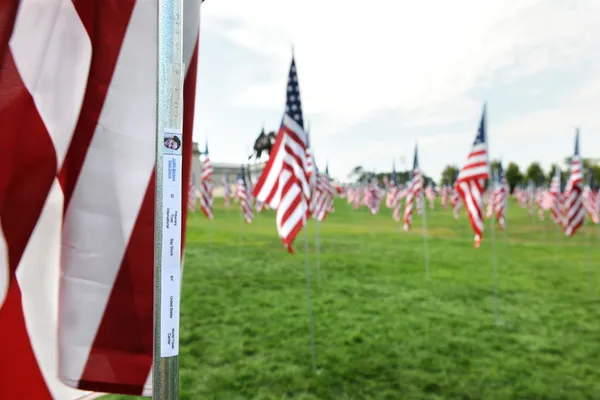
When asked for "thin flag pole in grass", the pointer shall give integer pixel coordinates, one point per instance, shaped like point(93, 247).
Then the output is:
point(311, 324)
point(494, 259)
point(284, 183)
point(556, 192)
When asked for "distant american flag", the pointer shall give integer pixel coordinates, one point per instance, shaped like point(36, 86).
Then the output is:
point(574, 210)
point(206, 186)
point(471, 180)
point(284, 184)
point(590, 198)
point(500, 196)
point(557, 199)
point(243, 194)
point(430, 194)
point(444, 194)
point(373, 196)
point(324, 195)
point(192, 194)
point(456, 202)
point(414, 193)
point(226, 191)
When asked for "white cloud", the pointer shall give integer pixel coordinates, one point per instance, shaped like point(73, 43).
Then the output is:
point(424, 58)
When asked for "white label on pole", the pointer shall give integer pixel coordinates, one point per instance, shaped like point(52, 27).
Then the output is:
point(171, 245)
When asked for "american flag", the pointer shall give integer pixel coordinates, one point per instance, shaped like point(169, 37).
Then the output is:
point(590, 198)
point(260, 205)
point(574, 210)
point(226, 191)
point(391, 188)
point(206, 186)
point(500, 196)
point(455, 201)
point(471, 180)
point(192, 194)
point(430, 194)
point(557, 199)
point(444, 194)
point(373, 196)
point(399, 194)
point(77, 204)
point(284, 184)
point(415, 191)
point(324, 195)
point(243, 194)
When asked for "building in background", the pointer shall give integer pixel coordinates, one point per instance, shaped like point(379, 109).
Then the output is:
point(220, 170)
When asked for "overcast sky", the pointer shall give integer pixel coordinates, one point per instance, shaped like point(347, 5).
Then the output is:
point(378, 76)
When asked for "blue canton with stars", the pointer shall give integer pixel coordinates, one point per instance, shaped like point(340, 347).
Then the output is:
point(481, 136)
point(293, 106)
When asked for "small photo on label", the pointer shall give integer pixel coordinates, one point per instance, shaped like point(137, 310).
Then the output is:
point(172, 143)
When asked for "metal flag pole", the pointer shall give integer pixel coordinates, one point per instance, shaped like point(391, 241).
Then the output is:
point(309, 299)
point(588, 265)
point(425, 236)
point(242, 218)
point(318, 252)
point(494, 267)
point(167, 228)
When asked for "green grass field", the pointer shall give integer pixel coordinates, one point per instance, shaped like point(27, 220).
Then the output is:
point(382, 330)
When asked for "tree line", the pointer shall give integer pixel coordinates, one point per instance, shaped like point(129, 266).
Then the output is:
point(513, 173)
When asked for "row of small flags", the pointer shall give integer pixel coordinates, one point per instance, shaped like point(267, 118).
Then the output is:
point(292, 185)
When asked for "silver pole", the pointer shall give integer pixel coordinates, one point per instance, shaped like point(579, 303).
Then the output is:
point(425, 236)
point(167, 272)
point(242, 220)
point(318, 251)
point(587, 257)
point(494, 272)
point(309, 300)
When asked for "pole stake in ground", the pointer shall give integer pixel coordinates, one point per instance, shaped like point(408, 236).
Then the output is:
point(309, 300)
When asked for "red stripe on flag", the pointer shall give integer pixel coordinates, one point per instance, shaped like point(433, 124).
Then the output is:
point(28, 166)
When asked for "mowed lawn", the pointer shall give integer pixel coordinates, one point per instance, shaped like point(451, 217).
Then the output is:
point(382, 330)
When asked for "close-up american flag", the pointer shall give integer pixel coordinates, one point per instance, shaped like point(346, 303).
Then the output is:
point(71, 318)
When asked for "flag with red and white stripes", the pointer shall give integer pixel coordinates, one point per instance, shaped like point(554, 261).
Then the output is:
point(226, 191)
point(430, 194)
point(243, 194)
point(373, 196)
point(589, 198)
point(192, 194)
point(79, 82)
point(206, 186)
point(324, 194)
point(414, 193)
point(500, 196)
point(456, 202)
point(444, 195)
point(471, 180)
point(574, 210)
point(557, 199)
point(284, 184)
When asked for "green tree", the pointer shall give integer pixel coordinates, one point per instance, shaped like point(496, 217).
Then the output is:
point(449, 175)
point(356, 172)
point(535, 173)
point(513, 175)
